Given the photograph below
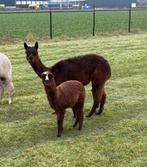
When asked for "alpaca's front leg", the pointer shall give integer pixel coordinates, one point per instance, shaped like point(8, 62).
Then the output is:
point(60, 117)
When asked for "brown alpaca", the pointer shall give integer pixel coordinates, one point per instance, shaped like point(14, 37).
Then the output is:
point(68, 94)
point(86, 68)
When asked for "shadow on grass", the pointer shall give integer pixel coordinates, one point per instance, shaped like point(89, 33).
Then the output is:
point(43, 129)
point(18, 111)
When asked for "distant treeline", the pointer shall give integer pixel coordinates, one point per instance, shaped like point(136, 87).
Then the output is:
point(110, 3)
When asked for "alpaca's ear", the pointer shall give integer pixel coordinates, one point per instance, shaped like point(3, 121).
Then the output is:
point(25, 46)
point(36, 45)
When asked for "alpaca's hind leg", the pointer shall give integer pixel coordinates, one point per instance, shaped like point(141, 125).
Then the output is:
point(80, 115)
point(79, 119)
point(1, 87)
point(76, 121)
point(97, 92)
point(78, 110)
point(74, 112)
point(1, 92)
point(60, 117)
point(10, 89)
point(102, 103)
point(74, 109)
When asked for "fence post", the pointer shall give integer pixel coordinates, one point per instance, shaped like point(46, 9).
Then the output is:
point(51, 32)
point(129, 26)
point(93, 33)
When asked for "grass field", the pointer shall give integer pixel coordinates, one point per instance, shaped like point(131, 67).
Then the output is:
point(116, 138)
point(70, 24)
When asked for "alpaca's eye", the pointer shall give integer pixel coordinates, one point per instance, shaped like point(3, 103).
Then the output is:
point(50, 76)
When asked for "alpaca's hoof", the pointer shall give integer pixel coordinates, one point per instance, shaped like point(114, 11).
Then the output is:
point(88, 116)
point(80, 128)
point(98, 113)
point(74, 125)
point(91, 113)
point(58, 135)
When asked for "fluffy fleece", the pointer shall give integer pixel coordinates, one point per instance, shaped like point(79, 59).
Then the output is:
point(6, 77)
point(85, 68)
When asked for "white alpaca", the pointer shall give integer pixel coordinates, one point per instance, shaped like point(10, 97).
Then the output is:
point(6, 77)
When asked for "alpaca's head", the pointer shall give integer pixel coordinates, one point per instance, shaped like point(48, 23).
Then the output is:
point(47, 78)
point(31, 53)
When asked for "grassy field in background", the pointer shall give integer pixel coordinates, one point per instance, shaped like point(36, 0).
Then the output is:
point(70, 24)
point(116, 138)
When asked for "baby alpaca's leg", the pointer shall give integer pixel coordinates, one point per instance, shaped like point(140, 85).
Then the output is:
point(78, 110)
point(60, 117)
point(80, 115)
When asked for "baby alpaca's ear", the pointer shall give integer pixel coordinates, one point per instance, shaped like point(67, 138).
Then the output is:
point(42, 75)
point(25, 46)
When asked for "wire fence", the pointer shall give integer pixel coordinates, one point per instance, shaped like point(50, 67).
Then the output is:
point(76, 23)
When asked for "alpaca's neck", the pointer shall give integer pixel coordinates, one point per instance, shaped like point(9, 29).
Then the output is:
point(51, 92)
point(39, 67)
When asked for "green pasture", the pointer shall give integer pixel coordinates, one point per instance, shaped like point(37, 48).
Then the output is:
point(70, 24)
point(116, 138)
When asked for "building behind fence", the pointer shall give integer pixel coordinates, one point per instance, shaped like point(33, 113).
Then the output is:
point(73, 3)
point(45, 3)
point(8, 2)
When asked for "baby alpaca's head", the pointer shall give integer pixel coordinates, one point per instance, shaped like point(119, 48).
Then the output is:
point(47, 78)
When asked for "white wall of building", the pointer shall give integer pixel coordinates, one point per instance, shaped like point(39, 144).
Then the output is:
point(24, 2)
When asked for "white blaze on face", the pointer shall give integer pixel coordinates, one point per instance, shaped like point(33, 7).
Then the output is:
point(46, 78)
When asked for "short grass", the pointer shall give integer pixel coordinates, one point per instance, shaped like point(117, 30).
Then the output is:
point(116, 138)
point(70, 24)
